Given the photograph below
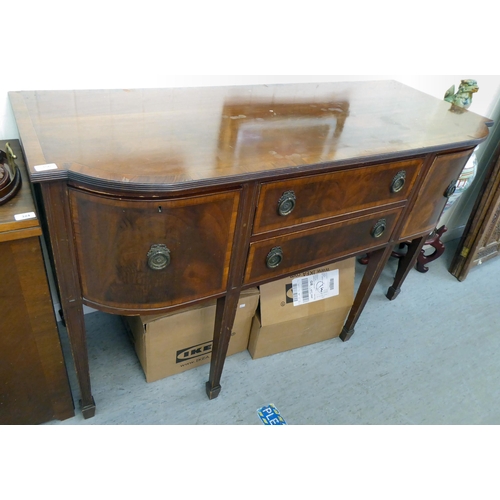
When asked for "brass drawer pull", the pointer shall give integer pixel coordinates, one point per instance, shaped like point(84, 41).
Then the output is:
point(158, 257)
point(379, 228)
point(398, 182)
point(450, 190)
point(286, 203)
point(274, 257)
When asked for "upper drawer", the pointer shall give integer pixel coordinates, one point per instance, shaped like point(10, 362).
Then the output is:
point(289, 203)
point(144, 255)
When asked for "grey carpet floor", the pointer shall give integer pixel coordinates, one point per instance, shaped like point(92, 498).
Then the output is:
point(432, 356)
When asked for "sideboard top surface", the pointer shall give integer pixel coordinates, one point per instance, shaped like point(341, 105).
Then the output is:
point(178, 138)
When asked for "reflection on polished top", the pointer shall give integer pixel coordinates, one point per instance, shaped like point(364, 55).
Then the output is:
point(183, 138)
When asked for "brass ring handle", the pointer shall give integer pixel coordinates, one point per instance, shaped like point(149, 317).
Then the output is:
point(158, 257)
point(274, 258)
point(398, 182)
point(379, 228)
point(286, 203)
point(450, 190)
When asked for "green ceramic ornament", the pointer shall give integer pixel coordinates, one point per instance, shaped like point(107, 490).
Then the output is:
point(463, 97)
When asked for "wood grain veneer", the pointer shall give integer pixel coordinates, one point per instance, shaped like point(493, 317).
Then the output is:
point(105, 160)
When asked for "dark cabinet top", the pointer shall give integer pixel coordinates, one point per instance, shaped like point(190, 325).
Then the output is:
point(178, 138)
point(18, 217)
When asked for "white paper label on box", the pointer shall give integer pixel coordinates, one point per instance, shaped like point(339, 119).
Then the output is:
point(315, 287)
point(47, 166)
point(27, 215)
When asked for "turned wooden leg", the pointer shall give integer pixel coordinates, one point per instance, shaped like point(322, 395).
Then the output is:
point(224, 319)
point(405, 265)
point(374, 268)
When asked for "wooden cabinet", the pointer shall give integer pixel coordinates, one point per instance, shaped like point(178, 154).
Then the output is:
point(481, 239)
point(34, 387)
point(227, 188)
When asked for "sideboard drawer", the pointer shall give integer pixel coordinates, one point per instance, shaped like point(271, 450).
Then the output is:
point(284, 255)
point(144, 255)
point(291, 202)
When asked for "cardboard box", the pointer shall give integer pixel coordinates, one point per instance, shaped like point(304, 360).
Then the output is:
point(173, 343)
point(281, 325)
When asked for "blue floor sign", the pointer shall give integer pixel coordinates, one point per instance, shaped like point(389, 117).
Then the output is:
point(270, 415)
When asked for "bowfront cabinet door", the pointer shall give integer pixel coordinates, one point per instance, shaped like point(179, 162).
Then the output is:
point(437, 187)
point(145, 255)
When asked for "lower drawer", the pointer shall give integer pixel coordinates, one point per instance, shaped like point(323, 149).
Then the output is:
point(284, 255)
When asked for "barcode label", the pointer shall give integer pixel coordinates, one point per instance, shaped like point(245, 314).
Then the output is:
point(305, 290)
point(316, 287)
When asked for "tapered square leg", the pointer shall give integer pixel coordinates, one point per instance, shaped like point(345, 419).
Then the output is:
point(346, 334)
point(376, 264)
point(405, 265)
point(88, 411)
point(224, 319)
point(392, 292)
point(212, 392)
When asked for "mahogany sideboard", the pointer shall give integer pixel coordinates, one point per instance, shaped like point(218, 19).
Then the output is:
point(160, 198)
point(34, 386)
